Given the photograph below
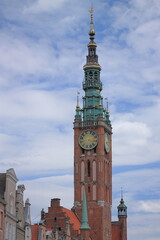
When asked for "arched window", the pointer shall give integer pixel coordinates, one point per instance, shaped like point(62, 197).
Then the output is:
point(90, 76)
point(88, 168)
point(94, 170)
point(95, 76)
point(82, 171)
point(86, 76)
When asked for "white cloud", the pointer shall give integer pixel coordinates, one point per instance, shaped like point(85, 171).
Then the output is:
point(45, 5)
point(150, 206)
point(135, 138)
point(41, 104)
point(143, 226)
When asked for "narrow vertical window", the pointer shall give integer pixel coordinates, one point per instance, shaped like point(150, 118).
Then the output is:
point(95, 76)
point(94, 170)
point(88, 168)
point(82, 171)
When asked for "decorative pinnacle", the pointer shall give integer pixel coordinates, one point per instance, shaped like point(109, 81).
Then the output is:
point(107, 105)
point(92, 32)
point(78, 93)
point(100, 102)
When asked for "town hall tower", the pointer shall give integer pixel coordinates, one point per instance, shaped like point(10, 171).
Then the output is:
point(93, 149)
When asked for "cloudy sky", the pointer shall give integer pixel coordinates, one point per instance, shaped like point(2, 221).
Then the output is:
point(43, 44)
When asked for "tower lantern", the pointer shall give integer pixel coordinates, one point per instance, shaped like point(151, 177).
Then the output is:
point(122, 209)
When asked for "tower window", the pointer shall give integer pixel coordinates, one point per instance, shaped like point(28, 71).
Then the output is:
point(86, 76)
point(89, 189)
point(94, 170)
point(90, 75)
point(91, 52)
point(88, 168)
point(95, 76)
point(82, 171)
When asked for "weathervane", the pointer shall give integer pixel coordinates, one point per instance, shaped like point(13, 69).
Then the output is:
point(91, 12)
point(121, 193)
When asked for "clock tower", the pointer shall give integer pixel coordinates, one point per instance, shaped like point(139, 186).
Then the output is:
point(93, 150)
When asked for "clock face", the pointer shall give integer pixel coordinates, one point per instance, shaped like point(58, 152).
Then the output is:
point(107, 142)
point(88, 139)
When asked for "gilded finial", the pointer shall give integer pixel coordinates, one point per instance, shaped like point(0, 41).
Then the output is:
point(92, 32)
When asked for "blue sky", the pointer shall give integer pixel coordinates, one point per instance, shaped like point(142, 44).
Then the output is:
point(43, 45)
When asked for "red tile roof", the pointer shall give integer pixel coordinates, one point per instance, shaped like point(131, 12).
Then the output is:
point(73, 218)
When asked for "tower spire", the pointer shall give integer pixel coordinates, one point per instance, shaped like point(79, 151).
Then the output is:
point(121, 193)
point(84, 224)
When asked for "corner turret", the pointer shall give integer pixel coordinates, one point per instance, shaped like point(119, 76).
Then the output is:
point(122, 215)
point(122, 209)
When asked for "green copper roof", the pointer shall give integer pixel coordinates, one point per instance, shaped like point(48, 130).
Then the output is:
point(93, 108)
point(84, 224)
point(122, 208)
